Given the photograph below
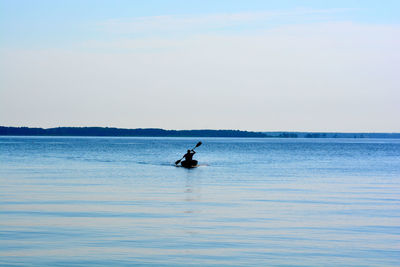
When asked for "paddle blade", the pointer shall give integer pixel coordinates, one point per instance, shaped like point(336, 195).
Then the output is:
point(198, 144)
point(177, 162)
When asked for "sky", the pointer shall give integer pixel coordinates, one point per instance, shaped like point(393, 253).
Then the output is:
point(220, 64)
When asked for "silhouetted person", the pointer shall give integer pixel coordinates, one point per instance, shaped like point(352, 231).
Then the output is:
point(189, 155)
point(189, 159)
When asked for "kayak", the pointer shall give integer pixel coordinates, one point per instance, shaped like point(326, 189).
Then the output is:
point(189, 164)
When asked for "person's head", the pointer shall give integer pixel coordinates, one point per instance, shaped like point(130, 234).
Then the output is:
point(188, 151)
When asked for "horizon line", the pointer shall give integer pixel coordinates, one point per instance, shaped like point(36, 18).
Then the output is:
point(206, 129)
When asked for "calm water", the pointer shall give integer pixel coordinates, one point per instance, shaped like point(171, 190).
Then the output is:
point(253, 202)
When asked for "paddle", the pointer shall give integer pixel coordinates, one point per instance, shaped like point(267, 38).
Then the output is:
point(179, 160)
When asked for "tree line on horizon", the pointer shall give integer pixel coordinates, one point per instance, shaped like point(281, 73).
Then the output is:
point(106, 131)
point(156, 132)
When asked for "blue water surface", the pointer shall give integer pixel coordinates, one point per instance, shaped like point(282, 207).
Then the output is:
point(102, 201)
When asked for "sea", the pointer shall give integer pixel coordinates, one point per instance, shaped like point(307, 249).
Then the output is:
point(121, 201)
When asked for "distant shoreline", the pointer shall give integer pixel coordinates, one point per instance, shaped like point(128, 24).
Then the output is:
point(155, 132)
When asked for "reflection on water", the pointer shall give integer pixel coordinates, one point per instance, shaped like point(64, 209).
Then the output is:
point(254, 202)
point(192, 193)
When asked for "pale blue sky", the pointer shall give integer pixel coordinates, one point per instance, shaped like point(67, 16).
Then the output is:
point(251, 65)
point(27, 23)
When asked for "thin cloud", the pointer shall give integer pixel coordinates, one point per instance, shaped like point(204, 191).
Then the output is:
point(196, 23)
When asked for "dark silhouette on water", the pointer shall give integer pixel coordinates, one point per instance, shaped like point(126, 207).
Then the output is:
point(189, 162)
